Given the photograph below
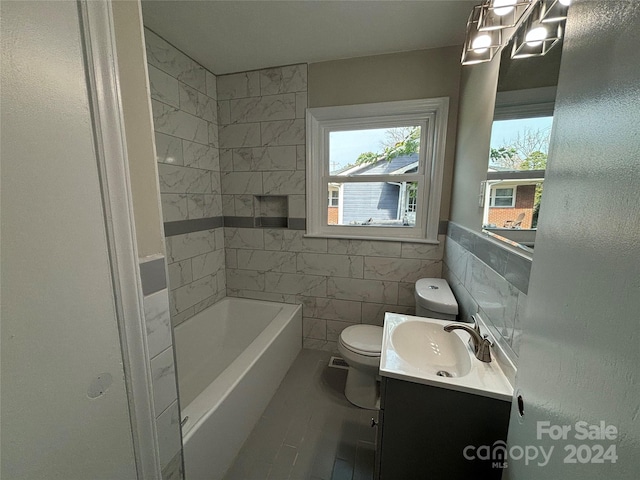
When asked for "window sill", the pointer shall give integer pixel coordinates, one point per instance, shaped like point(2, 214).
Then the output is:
point(373, 238)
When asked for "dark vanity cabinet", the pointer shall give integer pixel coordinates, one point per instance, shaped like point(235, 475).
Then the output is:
point(423, 431)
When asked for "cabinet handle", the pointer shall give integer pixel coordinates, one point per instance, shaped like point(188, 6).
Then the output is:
point(374, 423)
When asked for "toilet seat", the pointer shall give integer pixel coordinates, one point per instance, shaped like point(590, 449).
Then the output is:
point(365, 340)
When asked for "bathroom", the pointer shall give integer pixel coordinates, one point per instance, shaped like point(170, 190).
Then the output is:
point(232, 178)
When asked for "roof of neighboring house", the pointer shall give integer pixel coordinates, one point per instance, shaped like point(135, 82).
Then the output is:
point(515, 174)
point(400, 164)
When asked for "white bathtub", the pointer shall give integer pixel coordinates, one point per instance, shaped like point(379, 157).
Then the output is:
point(230, 358)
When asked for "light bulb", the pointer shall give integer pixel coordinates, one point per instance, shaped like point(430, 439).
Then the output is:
point(481, 43)
point(535, 36)
point(503, 7)
point(566, 3)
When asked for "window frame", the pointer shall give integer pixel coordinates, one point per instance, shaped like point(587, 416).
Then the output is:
point(430, 114)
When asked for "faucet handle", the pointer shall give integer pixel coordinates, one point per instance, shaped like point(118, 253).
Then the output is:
point(476, 324)
point(483, 353)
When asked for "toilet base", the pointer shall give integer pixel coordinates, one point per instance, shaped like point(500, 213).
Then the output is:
point(362, 389)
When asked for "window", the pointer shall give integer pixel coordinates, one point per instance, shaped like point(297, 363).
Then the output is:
point(503, 197)
point(334, 196)
point(381, 165)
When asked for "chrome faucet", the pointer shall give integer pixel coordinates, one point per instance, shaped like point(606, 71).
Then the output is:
point(481, 344)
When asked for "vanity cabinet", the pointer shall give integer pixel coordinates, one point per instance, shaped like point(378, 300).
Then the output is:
point(423, 431)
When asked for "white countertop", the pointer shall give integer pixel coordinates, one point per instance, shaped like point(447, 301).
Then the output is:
point(485, 379)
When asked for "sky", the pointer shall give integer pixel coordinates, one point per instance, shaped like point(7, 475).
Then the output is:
point(504, 131)
point(344, 147)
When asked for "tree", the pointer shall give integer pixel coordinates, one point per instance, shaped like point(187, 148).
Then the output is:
point(399, 141)
point(505, 157)
point(535, 161)
point(525, 152)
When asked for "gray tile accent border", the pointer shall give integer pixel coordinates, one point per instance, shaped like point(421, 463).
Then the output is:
point(153, 276)
point(238, 222)
point(513, 267)
point(189, 226)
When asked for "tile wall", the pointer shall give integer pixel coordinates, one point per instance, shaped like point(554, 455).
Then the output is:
point(489, 279)
point(183, 97)
point(262, 153)
point(338, 282)
point(262, 142)
point(243, 162)
point(163, 372)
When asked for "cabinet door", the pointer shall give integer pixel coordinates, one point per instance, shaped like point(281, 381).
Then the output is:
point(426, 429)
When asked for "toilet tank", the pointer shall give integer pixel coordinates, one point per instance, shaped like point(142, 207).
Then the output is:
point(435, 299)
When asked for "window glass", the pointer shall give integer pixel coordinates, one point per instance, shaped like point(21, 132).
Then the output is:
point(375, 151)
point(502, 197)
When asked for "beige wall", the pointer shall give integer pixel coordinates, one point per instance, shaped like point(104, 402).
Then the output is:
point(477, 98)
point(397, 76)
point(127, 19)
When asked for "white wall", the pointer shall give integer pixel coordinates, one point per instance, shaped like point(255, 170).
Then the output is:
point(64, 404)
point(581, 342)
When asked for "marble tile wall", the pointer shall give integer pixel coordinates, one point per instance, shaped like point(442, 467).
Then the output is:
point(163, 373)
point(262, 139)
point(197, 276)
point(185, 115)
point(479, 288)
point(338, 282)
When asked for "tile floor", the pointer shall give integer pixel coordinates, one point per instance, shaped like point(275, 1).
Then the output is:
point(309, 430)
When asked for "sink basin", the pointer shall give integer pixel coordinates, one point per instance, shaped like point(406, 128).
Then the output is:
point(418, 350)
point(426, 346)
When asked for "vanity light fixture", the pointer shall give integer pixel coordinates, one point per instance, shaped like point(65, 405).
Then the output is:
point(501, 14)
point(554, 10)
point(535, 38)
point(536, 26)
point(480, 46)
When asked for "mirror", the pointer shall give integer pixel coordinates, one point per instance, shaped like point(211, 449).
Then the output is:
point(520, 136)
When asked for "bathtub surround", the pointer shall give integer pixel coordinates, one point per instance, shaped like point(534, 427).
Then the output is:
point(262, 147)
point(185, 121)
point(488, 278)
point(262, 156)
point(254, 185)
point(339, 282)
point(160, 355)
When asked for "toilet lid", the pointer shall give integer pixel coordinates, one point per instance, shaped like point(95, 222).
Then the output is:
point(365, 339)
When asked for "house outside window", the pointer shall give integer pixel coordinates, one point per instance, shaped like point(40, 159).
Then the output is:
point(390, 195)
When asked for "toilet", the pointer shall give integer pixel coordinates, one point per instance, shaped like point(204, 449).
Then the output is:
point(360, 345)
point(434, 299)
